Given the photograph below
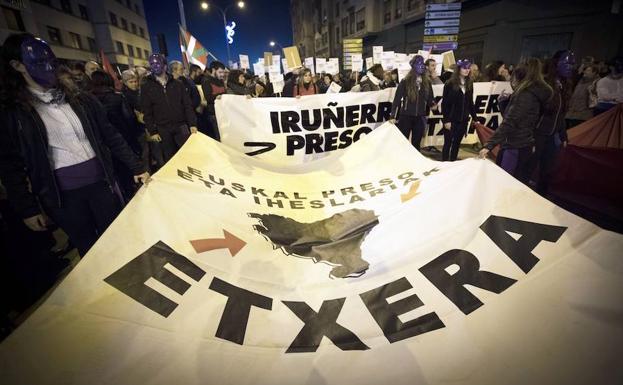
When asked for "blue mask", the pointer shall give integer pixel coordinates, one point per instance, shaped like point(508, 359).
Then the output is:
point(565, 65)
point(157, 64)
point(417, 64)
point(40, 62)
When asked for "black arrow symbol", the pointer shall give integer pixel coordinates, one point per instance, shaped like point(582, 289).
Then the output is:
point(268, 146)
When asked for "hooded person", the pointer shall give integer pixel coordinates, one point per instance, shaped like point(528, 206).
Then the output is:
point(167, 109)
point(515, 135)
point(457, 106)
point(56, 146)
point(373, 79)
point(413, 101)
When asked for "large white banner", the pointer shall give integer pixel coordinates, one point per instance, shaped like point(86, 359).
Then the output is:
point(373, 265)
point(298, 130)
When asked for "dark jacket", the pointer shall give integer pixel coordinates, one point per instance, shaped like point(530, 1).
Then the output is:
point(524, 110)
point(193, 92)
point(165, 108)
point(121, 115)
point(553, 119)
point(24, 153)
point(237, 89)
point(132, 97)
point(212, 87)
point(418, 107)
point(457, 106)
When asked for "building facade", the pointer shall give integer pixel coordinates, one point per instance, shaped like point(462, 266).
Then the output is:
point(507, 30)
point(78, 29)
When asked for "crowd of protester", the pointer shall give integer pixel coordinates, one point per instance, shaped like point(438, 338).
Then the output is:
point(74, 147)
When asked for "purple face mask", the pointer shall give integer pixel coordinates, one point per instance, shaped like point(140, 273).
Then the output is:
point(157, 64)
point(417, 64)
point(40, 62)
point(464, 64)
point(566, 64)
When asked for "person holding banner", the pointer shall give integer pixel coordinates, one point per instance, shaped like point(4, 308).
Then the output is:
point(515, 134)
point(551, 132)
point(413, 99)
point(304, 86)
point(457, 106)
point(56, 144)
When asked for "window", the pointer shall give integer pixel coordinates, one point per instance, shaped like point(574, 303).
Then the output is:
point(387, 11)
point(130, 50)
point(146, 54)
point(137, 9)
point(66, 6)
point(337, 35)
point(124, 24)
point(361, 19)
point(337, 9)
point(120, 47)
point(141, 31)
point(411, 5)
point(13, 19)
point(113, 19)
point(92, 45)
point(75, 40)
point(351, 17)
point(324, 15)
point(325, 38)
point(84, 13)
point(398, 11)
point(133, 28)
point(55, 35)
point(138, 53)
point(345, 27)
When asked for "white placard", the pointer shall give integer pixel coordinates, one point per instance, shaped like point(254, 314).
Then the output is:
point(334, 88)
point(439, 63)
point(377, 54)
point(244, 61)
point(258, 69)
point(284, 63)
point(309, 63)
point(369, 63)
point(356, 62)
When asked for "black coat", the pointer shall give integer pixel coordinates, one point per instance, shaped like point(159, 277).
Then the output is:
point(418, 107)
point(165, 108)
point(457, 106)
point(193, 92)
point(553, 119)
point(521, 116)
point(121, 116)
point(24, 153)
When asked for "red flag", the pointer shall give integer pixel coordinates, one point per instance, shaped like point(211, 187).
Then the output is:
point(109, 70)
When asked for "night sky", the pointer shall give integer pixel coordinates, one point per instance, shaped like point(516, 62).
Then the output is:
point(256, 25)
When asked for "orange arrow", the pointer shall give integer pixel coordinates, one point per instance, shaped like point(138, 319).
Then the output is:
point(231, 242)
point(411, 193)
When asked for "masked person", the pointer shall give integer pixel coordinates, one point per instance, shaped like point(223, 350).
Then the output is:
point(56, 145)
point(551, 132)
point(457, 106)
point(412, 101)
point(167, 110)
point(515, 134)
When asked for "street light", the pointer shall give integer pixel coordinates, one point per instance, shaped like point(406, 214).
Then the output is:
point(205, 6)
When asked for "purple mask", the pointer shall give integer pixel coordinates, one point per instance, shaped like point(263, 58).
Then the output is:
point(417, 64)
point(40, 62)
point(157, 63)
point(464, 64)
point(566, 64)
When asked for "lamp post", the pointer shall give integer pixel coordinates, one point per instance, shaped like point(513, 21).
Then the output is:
point(274, 43)
point(205, 7)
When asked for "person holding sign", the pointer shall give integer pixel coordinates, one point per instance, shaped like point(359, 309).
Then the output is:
point(413, 99)
point(305, 86)
point(457, 106)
